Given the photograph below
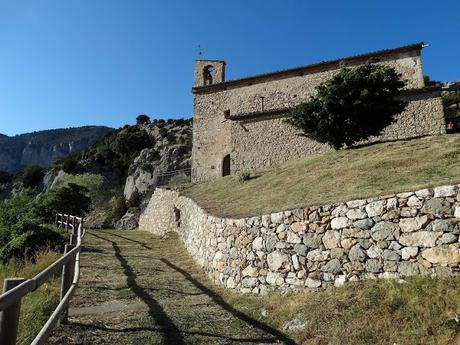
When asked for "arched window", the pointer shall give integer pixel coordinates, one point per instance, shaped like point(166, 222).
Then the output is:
point(226, 166)
point(208, 74)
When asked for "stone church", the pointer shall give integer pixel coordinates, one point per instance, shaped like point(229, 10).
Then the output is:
point(239, 124)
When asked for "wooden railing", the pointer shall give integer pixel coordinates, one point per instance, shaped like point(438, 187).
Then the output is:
point(16, 288)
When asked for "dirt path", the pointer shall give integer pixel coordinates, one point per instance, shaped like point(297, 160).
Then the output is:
point(137, 288)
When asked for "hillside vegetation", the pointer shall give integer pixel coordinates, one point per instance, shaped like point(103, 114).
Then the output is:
point(335, 176)
point(43, 147)
point(37, 306)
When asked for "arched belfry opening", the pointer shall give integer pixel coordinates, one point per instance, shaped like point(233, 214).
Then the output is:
point(208, 74)
point(226, 165)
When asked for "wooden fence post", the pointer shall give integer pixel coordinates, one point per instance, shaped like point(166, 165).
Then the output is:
point(66, 280)
point(9, 317)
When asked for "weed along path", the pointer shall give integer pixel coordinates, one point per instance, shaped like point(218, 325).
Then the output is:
point(137, 288)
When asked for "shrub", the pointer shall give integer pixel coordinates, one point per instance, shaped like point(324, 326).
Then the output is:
point(70, 165)
point(142, 120)
point(179, 180)
point(244, 176)
point(131, 141)
point(160, 123)
point(118, 206)
point(33, 239)
point(32, 176)
point(5, 177)
point(97, 188)
point(182, 122)
point(352, 106)
point(70, 199)
point(135, 200)
point(451, 101)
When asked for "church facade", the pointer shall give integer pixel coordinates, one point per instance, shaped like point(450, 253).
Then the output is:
point(239, 125)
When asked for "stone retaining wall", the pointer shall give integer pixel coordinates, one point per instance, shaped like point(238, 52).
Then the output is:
point(387, 237)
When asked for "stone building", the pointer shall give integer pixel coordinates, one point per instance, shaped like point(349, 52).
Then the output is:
point(239, 124)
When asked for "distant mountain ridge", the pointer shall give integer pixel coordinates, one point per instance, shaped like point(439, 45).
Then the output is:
point(43, 147)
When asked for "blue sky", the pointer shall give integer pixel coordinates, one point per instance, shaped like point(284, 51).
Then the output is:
point(66, 63)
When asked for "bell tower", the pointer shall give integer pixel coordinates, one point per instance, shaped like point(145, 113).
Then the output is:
point(208, 72)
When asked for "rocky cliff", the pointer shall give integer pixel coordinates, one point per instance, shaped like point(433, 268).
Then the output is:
point(43, 147)
point(168, 159)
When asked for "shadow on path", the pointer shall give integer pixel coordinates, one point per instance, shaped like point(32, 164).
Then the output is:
point(164, 325)
point(142, 244)
point(220, 301)
point(171, 333)
point(152, 329)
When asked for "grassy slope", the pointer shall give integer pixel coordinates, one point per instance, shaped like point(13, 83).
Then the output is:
point(421, 310)
point(335, 176)
point(37, 306)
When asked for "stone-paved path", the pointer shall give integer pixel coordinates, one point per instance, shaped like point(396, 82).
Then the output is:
point(137, 288)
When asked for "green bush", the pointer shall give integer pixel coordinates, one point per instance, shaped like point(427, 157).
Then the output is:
point(5, 177)
point(351, 106)
point(118, 206)
point(135, 200)
point(142, 120)
point(451, 103)
point(22, 234)
point(95, 184)
point(32, 176)
point(132, 141)
point(33, 239)
point(244, 176)
point(70, 165)
point(70, 199)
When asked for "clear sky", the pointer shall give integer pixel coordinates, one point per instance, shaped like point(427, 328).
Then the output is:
point(66, 63)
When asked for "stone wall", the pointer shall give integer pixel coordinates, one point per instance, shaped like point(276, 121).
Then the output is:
point(264, 141)
point(268, 140)
point(394, 236)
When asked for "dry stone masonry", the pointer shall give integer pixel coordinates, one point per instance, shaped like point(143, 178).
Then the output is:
point(394, 236)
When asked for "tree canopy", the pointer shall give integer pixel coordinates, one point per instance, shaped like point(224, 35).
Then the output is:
point(351, 106)
point(142, 119)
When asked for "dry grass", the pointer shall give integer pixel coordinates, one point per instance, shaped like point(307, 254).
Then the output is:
point(335, 176)
point(420, 311)
point(37, 306)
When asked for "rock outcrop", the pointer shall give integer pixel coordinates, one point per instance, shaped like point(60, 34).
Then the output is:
point(169, 158)
point(127, 222)
point(150, 169)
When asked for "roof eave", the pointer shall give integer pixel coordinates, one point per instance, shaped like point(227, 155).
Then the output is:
point(301, 69)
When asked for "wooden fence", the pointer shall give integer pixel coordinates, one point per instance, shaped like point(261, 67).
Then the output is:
point(16, 288)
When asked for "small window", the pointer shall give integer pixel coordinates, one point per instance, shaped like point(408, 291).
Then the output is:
point(208, 75)
point(226, 113)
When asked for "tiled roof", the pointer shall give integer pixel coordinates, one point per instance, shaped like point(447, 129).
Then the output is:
point(305, 68)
